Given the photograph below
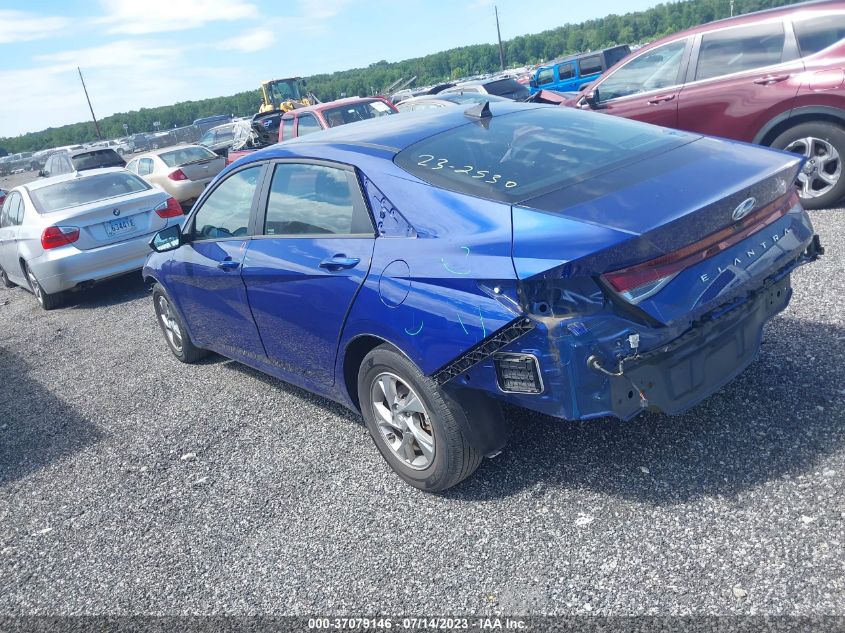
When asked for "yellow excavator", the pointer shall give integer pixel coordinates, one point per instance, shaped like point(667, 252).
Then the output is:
point(284, 95)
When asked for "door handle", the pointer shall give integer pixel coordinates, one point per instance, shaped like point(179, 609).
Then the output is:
point(228, 264)
point(660, 99)
point(770, 79)
point(339, 262)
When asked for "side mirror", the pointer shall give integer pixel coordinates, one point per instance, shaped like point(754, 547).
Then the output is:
point(167, 239)
point(593, 99)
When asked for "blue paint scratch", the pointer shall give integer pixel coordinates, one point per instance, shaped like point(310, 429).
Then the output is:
point(483, 329)
point(462, 324)
point(409, 333)
point(465, 249)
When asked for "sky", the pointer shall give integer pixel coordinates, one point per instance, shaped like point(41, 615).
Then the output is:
point(147, 53)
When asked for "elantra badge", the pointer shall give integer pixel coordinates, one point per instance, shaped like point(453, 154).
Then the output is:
point(745, 207)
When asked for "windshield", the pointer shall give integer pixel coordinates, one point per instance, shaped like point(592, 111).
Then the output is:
point(517, 156)
point(186, 155)
point(96, 159)
point(79, 191)
point(356, 112)
point(284, 90)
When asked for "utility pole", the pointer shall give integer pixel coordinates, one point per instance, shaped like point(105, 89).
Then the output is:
point(90, 107)
point(499, 34)
point(732, 8)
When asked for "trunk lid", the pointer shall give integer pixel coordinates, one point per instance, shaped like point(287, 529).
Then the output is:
point(113, 220)
point(204, 169)
point(696, 210)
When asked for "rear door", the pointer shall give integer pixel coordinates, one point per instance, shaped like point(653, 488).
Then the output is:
point(646, 88)
point(11, 216)
point(205, 274)
point(590, 68)
point(303, 273)
point(739, 79)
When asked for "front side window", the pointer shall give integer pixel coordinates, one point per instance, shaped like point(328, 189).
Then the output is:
point(819, 33)
point(145, 166)
point(226, 212)
point(740, 49)
point(653, 70)
point(590, 65)
point(545, 76)
point(307, 124)
point(566, 71)
point(314, 200)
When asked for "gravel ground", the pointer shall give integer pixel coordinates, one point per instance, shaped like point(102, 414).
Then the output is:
point(130, 483)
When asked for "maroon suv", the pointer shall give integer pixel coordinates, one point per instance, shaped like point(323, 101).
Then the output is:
point(775, 77)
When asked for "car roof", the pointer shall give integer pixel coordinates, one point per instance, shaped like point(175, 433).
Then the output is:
point(319, 107)
point(73, 175)
point(392, 133)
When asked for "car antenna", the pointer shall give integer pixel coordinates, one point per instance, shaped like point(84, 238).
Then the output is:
point(480, 111)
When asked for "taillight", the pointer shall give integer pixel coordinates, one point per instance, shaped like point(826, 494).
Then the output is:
point(54, 236)
point(177, 175)
point(639, 282)
point(169, 209)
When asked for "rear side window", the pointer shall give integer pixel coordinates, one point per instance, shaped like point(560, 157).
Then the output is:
point(590, 65)
point(522, 154)
point(226, 212)
point(314, 200)
point(740, 49)
point(566, 71)
point(816, 34)
point(72, 193)
point(12, 212)
point(145, 166)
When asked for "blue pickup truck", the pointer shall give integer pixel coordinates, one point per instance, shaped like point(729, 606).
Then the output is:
point(570, 73)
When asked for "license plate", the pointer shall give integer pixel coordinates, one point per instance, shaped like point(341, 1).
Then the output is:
point(123, 225)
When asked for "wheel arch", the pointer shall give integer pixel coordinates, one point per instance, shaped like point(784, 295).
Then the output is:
point(807, 114)
point(354, 352)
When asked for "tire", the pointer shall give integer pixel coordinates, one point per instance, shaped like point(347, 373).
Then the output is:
point(821, 183)
point(4, 279)
point(173, 328)
point(435, 417)
point(46, 300)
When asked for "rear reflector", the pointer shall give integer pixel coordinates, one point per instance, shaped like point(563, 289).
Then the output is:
point(638, 282)
point(54, 236)
point(169, 209)
point(518, 373)
point(177, 175)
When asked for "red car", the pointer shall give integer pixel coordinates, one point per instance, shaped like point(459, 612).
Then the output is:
point(331, 114)
point(775, 78)
point(325, 115)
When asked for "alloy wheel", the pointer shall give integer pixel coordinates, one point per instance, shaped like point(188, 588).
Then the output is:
point(169, 324)
point(34, 285)
point(823, 168)
point(402, 421)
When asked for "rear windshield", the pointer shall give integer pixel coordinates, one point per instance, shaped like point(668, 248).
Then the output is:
point(85, 190)
point(356, 112)
point(518, 156)
point(97, 158)
point(186, 155)
point(507, 88)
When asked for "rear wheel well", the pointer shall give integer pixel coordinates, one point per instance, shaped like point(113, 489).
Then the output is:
point(809, 117)
point(355, 353)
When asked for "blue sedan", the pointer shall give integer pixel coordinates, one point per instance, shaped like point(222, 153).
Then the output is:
point(424, 268)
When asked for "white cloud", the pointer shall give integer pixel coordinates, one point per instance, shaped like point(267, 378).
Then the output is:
point(132, 17)
point(19, 26)
point(250, 41)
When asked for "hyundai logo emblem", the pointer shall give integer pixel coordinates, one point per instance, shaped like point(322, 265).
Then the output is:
point(116, 212)
point(745, 207)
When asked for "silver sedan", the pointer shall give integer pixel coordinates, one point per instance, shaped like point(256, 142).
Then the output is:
point(70, 231)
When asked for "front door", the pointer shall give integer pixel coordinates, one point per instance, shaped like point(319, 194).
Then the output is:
point(305, 269)
point(646, 88)
point(206, 272)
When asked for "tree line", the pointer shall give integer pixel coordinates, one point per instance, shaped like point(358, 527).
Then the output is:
point(631, 28)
